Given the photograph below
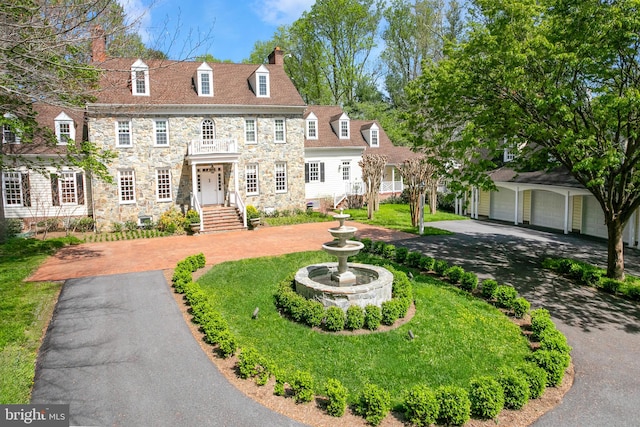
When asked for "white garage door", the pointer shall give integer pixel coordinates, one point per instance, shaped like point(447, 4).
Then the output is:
point(593, 218)
point(502, 205)
point(547, 209)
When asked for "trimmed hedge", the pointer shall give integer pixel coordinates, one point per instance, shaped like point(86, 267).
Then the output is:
point(554, 363)
point(454, 274)
point(520, 307)
point(454, 404)
point(355, 318)
point(515, 387)
point(536, 378)
point(335, 319)
point(540, 321)
point(489, 288)
point(337, 397)
point(468, 281)
point(372, 317)
point(505, 296)
point(301, 383)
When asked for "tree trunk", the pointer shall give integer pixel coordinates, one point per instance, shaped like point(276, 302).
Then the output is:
point(615, 250)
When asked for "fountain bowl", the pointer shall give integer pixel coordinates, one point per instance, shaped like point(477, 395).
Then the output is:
point(373, 285)
point(351, 248)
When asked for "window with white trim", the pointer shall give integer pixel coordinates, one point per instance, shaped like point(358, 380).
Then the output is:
point(205, 80)
point(208, 130)
point(346, 170)
point(312, 129)
point(250, 135)
point(251, 178)
point(140, 78)
point(374, 138)
point(314, 172)
point(279, 130)
point(262, 85)
point(344, 129)
point(65, 129)
point(163, 184)
point(123, 133)
point(161, 132)
point(509, 154)
point(12, 188)
point(126, 186)
point(281, 177)
point(9, 136)
point(67, 188)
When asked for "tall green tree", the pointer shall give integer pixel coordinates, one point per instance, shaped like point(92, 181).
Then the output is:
point(560, 79)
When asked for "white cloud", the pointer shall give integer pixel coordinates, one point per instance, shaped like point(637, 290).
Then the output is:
point(280, 12)
point(138, 17)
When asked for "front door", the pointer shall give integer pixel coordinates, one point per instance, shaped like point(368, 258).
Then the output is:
point(211, 185)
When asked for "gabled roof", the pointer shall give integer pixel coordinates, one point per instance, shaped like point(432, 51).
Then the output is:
point(327, 138)
point(172, 83)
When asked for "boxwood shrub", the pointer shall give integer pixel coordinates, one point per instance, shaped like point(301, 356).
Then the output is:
point(390, 312)
point(515, 387)
point(421, 406)
point(334, 321)
point(486, 397)
point(553, 339)
point(336, 396)
point(489, 288)
point(389, 251)
point(373, 404)
point(540, 321)
point(368, 244)
point(355, 318)
point(454, 274)
point(536, 378)
point(252, 364)
point(454, 404)
point(413, 259)
point(313, 313)
point(401, 254)
point(468, 281)
point(426, 263)
point(505, 296)
point(372, 317)
point(378, 247)
point(553, 362)
point(301, 383)
point(520, 307)
point(227, 344)
point(440, 266)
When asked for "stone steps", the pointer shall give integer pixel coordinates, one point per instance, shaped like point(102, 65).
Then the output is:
point(221, 218)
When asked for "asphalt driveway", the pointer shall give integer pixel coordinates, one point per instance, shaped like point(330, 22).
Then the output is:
point(118, 349)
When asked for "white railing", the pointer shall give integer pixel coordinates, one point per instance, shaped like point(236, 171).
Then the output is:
point(195, 204)
point(391, 187)
point(212, 146)
point(352, 188)
point(237, 200)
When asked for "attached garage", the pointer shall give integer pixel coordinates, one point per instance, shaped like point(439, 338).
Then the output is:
point(593, 218)
point(547, 209)
point(503, 204)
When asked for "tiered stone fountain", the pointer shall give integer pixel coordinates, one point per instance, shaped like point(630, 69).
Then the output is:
point(344, 284)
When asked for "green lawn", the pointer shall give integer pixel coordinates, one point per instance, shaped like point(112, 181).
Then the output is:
point(457, 336)
point(25, 309)
point(398, 217)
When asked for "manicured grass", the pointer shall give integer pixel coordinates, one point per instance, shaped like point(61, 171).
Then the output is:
point(296, 218)
point(456, 336)
point(398, 217)
point(25, 309)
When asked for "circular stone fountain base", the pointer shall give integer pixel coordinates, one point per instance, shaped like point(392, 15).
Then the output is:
point(373, 285)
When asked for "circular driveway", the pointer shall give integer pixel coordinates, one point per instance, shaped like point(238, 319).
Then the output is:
point(96, 357)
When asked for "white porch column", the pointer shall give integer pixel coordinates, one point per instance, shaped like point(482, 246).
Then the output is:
point(515, 211)
point(194, 183)
point(236, 173)
point(477, 203)
point(393, 179)
point(566, 212)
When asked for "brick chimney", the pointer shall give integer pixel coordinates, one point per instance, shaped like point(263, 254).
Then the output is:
point(277, 56)
point(98, 44)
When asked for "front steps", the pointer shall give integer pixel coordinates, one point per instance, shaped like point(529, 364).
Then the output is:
point(221, 218)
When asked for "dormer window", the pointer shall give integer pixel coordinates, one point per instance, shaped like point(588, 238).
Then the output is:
point(312, 126)
point(9, 134)
point(371, 134)
point(205, 80)
point(260, 82)
point(509, 155)
point(140, 78)
point(341, 126)
point(65, 129)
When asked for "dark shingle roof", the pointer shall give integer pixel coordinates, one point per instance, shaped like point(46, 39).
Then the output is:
point(558, 177)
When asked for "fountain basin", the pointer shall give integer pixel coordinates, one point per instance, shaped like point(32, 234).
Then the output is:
point(373, 285)
point(351, 248)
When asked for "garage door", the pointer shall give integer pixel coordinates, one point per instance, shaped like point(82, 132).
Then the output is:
point(502, 204)
point(547, 209)
point(593, 218)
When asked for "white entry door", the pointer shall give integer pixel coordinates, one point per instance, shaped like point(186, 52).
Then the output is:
point(211, 185)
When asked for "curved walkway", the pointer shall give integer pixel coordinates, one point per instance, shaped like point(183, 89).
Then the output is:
point(604, 331)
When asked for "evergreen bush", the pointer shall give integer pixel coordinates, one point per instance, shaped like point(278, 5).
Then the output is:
point(421, 406)
point(454, 404)
point(336, 396)
point(489, 288)
point(505, 296)
point(440, 266)
point(390, 312)
point(468, 281)
point(401, 255)
point(301, 383)
point(426, 263)
point(454, 274)
point(520, 307)
point(540, 321)
point(413, 259)
point(373, 404)
point(389, 251)
point(553, 339)
point(515, 387)
point(486, 397)
point(335, 319)
point(536, 378)
point(313, 313)
point(372, 317)
point(355, 318)
point(554, 363)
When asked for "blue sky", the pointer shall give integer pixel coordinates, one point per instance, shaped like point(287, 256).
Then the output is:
point(232, 26)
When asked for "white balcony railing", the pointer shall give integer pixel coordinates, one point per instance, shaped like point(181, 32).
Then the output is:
point(212, 146)
point(391, 187)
